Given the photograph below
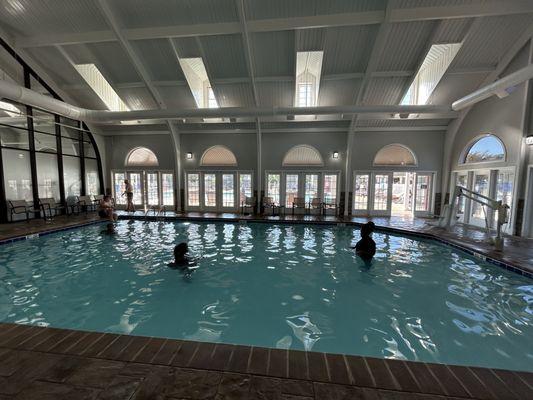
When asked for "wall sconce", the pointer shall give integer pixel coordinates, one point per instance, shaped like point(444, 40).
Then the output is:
point(335, 154)
point(529, 140)
point(189, 156)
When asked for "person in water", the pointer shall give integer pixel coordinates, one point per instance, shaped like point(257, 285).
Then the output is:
point(181, 258)
point(366, 247)
point(106, 209)
point(110, 229)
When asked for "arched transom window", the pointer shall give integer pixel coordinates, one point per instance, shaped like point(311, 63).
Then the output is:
point(488, 148)
point(219, 156)
point(395, 155)
point(141, 157)
point(302, 155)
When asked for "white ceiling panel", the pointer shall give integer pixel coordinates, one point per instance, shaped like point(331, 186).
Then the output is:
point(137, 98)
point(224, 56)
point(159, 59)
point(274, 94)
point(177, 96)
point(338, 92)
point(234, 95)
point(143, 13)
point(55, 64)
point(274, 53)
point(385, 90)
point(115, 62)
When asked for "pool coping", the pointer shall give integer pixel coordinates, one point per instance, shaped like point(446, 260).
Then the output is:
point(519, 269)
point(142, 354)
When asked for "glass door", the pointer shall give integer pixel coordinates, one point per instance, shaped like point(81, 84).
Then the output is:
point(361, 193)
point(136, 181)
point(152, 189)
point(228, 192)
point(210, 191)
point(167, 189)
point(423, 194)
point(382, 194)
point(462, 180)
point(311, 187)
point(481, 185)
point(291, 189)
point(118, 186)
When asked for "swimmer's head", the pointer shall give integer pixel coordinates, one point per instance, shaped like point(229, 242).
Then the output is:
point(180, 250)
point(107, 197)
point(110, 228)
point(367, 229)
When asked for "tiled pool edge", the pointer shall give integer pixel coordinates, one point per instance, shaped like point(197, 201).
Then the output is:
point(140, 355)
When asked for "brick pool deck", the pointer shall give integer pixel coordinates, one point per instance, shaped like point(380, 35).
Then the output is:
point(49, 363)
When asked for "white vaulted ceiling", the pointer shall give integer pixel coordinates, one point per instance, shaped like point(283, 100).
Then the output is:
point(249, 49)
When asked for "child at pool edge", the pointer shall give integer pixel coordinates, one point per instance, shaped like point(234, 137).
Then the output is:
point(181, 259)
point(366, 247)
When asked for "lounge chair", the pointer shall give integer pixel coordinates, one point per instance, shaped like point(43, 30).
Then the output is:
point(268, 203)
point(315, 204)
point(298, 202)
point(20, 207)
point(49, 204)
point(249, 202)
point(86, 203)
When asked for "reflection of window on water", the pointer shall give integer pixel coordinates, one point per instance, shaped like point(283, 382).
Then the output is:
point(245, 186)
point(227, 190)
point(361, 192)
point(330, 189)
point(291, 189)
point(273, 187)
point(486, 149)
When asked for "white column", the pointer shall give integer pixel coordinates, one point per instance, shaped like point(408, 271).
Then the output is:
point(259, 174)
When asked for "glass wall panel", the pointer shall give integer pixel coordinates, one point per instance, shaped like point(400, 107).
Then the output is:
point(504, 189)
point(10, 69)
point(422, 192)
point(14, 137)
point(210, 190)
point(362, 184)
point(13, 114)
point(273, 187)
point(228, 190)
point(462, 180)
point(481, 186)
point(72, 176)
point(70, 147)
point(17, 175)
point(47, 175)
point(118, 182)
point(44, 122)
point(44, 142)
point(152, 188)
point(291, 189)
point(193, 190)
point(311, 187)
point(245, 187)
point(167, 183)
point(135, 179)
point(88, 150)
point(92, 181)
point(381, 191)
point(330, 189)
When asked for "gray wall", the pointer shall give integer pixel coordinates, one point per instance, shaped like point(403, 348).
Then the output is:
point(427, 147)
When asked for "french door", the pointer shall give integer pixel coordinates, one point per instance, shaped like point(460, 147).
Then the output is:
point(373, 192)
point(150, 188)
point(220, 191)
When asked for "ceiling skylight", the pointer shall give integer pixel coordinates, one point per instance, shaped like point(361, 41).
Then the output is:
point(94, 78)
point(196, 75)
point(437, 61)
point(308, 70)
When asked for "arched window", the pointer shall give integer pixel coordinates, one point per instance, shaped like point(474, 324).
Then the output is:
point(488, 148)
point(141, 157)
point(395, 155)
point(218, 156)
point(302, 155)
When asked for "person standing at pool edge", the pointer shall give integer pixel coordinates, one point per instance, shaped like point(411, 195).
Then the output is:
point(366, 247)
point(129, 196)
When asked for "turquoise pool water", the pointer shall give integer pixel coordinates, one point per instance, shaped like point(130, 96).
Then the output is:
point(285, 286)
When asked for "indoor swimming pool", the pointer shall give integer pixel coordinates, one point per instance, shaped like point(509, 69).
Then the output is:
point(288, 286)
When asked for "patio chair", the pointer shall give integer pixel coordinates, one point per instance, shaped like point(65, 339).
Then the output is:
point(315, 204)
point(249, 202)
point(49, 204)
point(97, 199)
point(332, 205)
point(85, 203)
point(298, 202)
point(20, 207)
point(268, 203)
